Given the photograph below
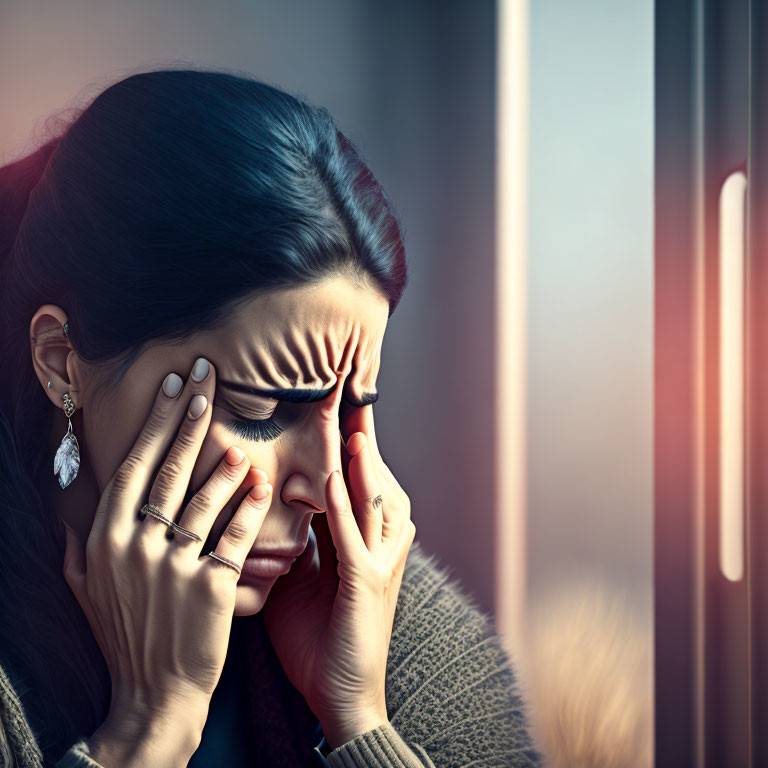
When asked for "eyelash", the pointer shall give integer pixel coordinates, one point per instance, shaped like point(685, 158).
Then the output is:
point(260, 430)
point(265, 430)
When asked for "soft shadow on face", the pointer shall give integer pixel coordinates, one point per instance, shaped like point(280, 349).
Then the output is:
point(289, 339)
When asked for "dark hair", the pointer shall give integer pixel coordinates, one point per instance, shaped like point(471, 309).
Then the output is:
point(174, 194)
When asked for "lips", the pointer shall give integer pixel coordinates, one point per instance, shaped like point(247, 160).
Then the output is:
point(290, 552)
point(265, 566)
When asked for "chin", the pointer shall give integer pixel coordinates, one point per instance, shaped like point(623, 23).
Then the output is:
point(250, 598)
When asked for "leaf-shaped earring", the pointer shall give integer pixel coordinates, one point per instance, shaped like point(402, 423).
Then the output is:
point(67, 460)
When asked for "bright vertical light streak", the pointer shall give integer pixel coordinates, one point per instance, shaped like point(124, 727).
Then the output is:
point(512, 115)
point(732, 244)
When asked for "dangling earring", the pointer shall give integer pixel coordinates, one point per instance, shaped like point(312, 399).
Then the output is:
point(67, 459)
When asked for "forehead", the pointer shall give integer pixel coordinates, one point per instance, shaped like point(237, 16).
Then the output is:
point(297, 338)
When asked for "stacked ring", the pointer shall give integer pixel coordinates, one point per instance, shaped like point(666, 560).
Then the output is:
point(224, 560)
point(154, 511)
point(185, 531)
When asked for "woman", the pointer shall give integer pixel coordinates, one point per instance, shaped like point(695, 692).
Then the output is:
point(202, 268)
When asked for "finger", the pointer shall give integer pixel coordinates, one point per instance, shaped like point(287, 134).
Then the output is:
point(237, 539)
point(172, 480)
point(170, 409)
point(365, 491)
point(350, 547)
point(361, 420)
point(330, 448)
point(205, 506)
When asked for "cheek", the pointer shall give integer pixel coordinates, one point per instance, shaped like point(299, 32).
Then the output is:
point(112, 425)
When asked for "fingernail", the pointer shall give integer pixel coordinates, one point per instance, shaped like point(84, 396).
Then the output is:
point(172, 384)
point(200, 369)
point(359, 442)
point(261, 476)
point(260, 491)
point(337, 490)
point(234, 455)
point(197, 406)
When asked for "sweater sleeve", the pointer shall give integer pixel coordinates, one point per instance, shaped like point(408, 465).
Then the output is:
point(78, 756)
point(382, 747)
point(452, 691)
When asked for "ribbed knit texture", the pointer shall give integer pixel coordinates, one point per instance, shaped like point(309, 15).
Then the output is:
point(452, 694)
point(381, 748)
point(77, 756)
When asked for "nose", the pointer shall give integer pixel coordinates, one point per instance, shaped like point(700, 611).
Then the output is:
point(314, 453)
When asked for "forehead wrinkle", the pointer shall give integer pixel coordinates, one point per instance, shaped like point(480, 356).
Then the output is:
point(331, 353)
point(302, 346)
point(264, 362)
point(320, 355)
point(312, 359)
point(365, 370)
point(281, 353)
point(303, 355)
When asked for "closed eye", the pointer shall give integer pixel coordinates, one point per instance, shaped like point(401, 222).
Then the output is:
point(259, 430)
point(265, 430)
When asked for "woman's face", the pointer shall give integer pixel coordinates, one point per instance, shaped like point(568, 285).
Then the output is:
point(296, 338)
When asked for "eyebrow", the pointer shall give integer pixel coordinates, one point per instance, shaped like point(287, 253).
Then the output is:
point(298, 395)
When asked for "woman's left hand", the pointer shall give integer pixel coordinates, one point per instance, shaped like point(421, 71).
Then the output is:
point(330, 618)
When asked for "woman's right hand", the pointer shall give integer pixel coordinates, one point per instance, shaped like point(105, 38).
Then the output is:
point(160, 609)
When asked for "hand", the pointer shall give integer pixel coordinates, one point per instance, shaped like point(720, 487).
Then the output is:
point(161, 613)
point(330, 618)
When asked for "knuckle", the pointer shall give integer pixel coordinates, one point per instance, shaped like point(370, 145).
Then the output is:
point(126, 471)
point(186, 439)
point(137, 555)
point(231, 473)
point(155, 424)
point(258, 504)
point(198, 506)
point(235, 532)
point(168, 475)
point(194, 516)
point(209, 578)
point(178, 564)
point(111, 542)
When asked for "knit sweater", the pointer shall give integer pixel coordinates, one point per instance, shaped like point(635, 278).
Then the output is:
point(451, 692)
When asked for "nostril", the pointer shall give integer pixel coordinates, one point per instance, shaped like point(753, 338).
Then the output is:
point(309, 505)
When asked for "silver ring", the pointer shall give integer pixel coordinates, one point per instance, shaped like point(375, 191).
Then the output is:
point(175, 527)
point(224, 560)
point(154, 511)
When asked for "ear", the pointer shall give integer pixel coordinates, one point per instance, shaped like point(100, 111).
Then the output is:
point(53, 357)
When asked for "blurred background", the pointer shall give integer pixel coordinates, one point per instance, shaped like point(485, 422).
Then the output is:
point(516, 379)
